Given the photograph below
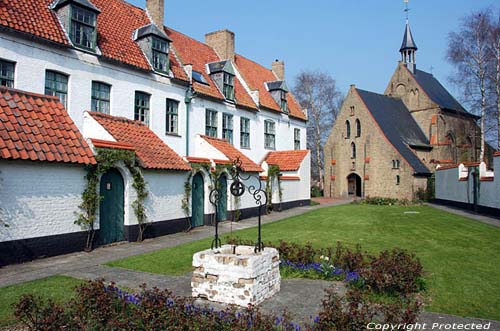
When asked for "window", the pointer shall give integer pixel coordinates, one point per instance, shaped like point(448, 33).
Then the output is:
point(244, 132)
point(160, 55)
point(211, 123)
point(6, 73)
point(227, 128)
point(56, 84)
point(296, 139)
point(358, 128)
point(172, 116)
point(347, 129)
point(141, 111)
point(228, 88)
point(100, 97)
point(82, 30)
point(396, 164)
point(398, 180)
point(269, 135)
point(284, 102)
point(353, 150)
point(352, 110)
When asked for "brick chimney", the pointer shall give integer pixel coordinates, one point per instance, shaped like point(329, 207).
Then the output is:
point(222, 42)
point(279, 69)
point(156, 10)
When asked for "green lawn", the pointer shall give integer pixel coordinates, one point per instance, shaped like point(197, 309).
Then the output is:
point(57, 288)
point(461, 256)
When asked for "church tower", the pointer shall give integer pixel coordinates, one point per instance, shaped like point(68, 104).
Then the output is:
point(408, 49)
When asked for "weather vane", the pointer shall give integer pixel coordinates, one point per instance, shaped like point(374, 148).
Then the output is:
point(406, 9)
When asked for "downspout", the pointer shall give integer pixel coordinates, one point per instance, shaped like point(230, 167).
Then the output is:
point(190, 95)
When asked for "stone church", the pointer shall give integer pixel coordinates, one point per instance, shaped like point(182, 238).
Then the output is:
point(388, 145)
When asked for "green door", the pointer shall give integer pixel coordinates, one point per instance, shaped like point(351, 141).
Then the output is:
point(197, 201)
point(222, 206)
point(111, 207)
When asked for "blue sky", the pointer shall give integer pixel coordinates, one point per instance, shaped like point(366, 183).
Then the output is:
point(356, 41)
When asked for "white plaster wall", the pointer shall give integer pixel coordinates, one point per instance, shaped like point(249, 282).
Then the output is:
point(39, 199)
point(92, 129)
point(489, 194)
point(33, 59)
point(166, 191)
point(448, 187)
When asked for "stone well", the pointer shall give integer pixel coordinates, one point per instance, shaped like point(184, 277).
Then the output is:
point(236, 275)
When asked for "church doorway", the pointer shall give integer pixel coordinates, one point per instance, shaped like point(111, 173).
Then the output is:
point(354, 185)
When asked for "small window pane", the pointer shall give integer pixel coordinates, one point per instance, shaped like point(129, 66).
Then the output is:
point(269, 135)
point(82, 30)
point(227, 128)
point(101, 97)
point(296, 138)
point(228, 88)
point(141, 111)
point(6, 73)
point(172, 116)
point(211, 123)
point(245, 132)
point(56, 84)
point(160, 58)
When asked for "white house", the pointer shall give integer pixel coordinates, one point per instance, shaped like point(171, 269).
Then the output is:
point(113, 65)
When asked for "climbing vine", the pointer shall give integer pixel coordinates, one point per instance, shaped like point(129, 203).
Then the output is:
point(214, 173)
point(273, 174)
point(107, 159)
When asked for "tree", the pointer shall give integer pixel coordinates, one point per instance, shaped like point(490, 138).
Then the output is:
point(468, 51)
point(317, 92)
point(494, 46)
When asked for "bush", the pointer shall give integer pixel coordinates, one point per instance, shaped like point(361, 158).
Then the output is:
point(394, 272)
point(316, 192)
point(378, 201)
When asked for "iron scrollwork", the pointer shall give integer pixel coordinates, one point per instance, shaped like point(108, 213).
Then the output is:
point(237, 189)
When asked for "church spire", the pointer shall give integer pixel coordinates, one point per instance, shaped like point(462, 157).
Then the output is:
point(408, 46)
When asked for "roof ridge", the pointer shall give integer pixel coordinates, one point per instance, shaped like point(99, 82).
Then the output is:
point(117, 118)
point(33, 94)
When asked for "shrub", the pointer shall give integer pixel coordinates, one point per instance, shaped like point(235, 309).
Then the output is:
point(316, 192)
point(394, 272)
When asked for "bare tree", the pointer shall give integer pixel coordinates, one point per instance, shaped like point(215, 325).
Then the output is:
point(468, 50)
point(494, 45)
point(317, 92)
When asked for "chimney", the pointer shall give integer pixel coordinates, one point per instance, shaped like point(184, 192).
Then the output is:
point(156, 10)
point(279, 69)
point(222, 42)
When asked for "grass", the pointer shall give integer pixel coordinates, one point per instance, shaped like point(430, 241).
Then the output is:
point(57, 288)
point(461, 256)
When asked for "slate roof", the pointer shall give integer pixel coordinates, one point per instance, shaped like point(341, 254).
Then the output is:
point(37, 127)
point(438, 94)
point(408, 42)
point(152, 152)
point(232, 153)
point(286, 160)
point(256, 76)
point(398, 125)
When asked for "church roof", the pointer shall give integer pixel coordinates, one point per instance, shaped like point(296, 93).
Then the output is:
point(399, 127)
point(408, 42)
point(438, 93)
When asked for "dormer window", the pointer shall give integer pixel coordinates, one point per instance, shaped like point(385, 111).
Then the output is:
point(155, 44)
point(79, 18)
point(228, 88)
point(279, 92)
point(160, 55)
point(284, 102)
point(83, 27)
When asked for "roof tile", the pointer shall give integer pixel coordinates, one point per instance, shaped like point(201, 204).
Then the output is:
point(150, 149)
point(286, 160)
point(232, 153)
point(20, 136)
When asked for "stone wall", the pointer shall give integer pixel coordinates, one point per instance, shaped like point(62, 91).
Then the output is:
point(238, 276)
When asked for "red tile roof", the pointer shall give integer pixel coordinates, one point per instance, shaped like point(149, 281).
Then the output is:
point(115, 26)
point(198, 54)
point(286, 160)
point(256, 75)
point(233, 153)
point(111, 144)
point(38, 128)
point(150, 149)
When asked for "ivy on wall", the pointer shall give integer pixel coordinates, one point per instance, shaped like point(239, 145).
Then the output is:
point(273, 173)
point(106, 159)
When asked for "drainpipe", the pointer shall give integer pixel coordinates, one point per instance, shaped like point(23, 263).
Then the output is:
point(190, 95)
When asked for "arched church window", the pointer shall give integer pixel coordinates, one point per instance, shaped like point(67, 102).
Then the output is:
point(398, 180)
point(347, 129)
point(358, 128)
point(353, 150)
